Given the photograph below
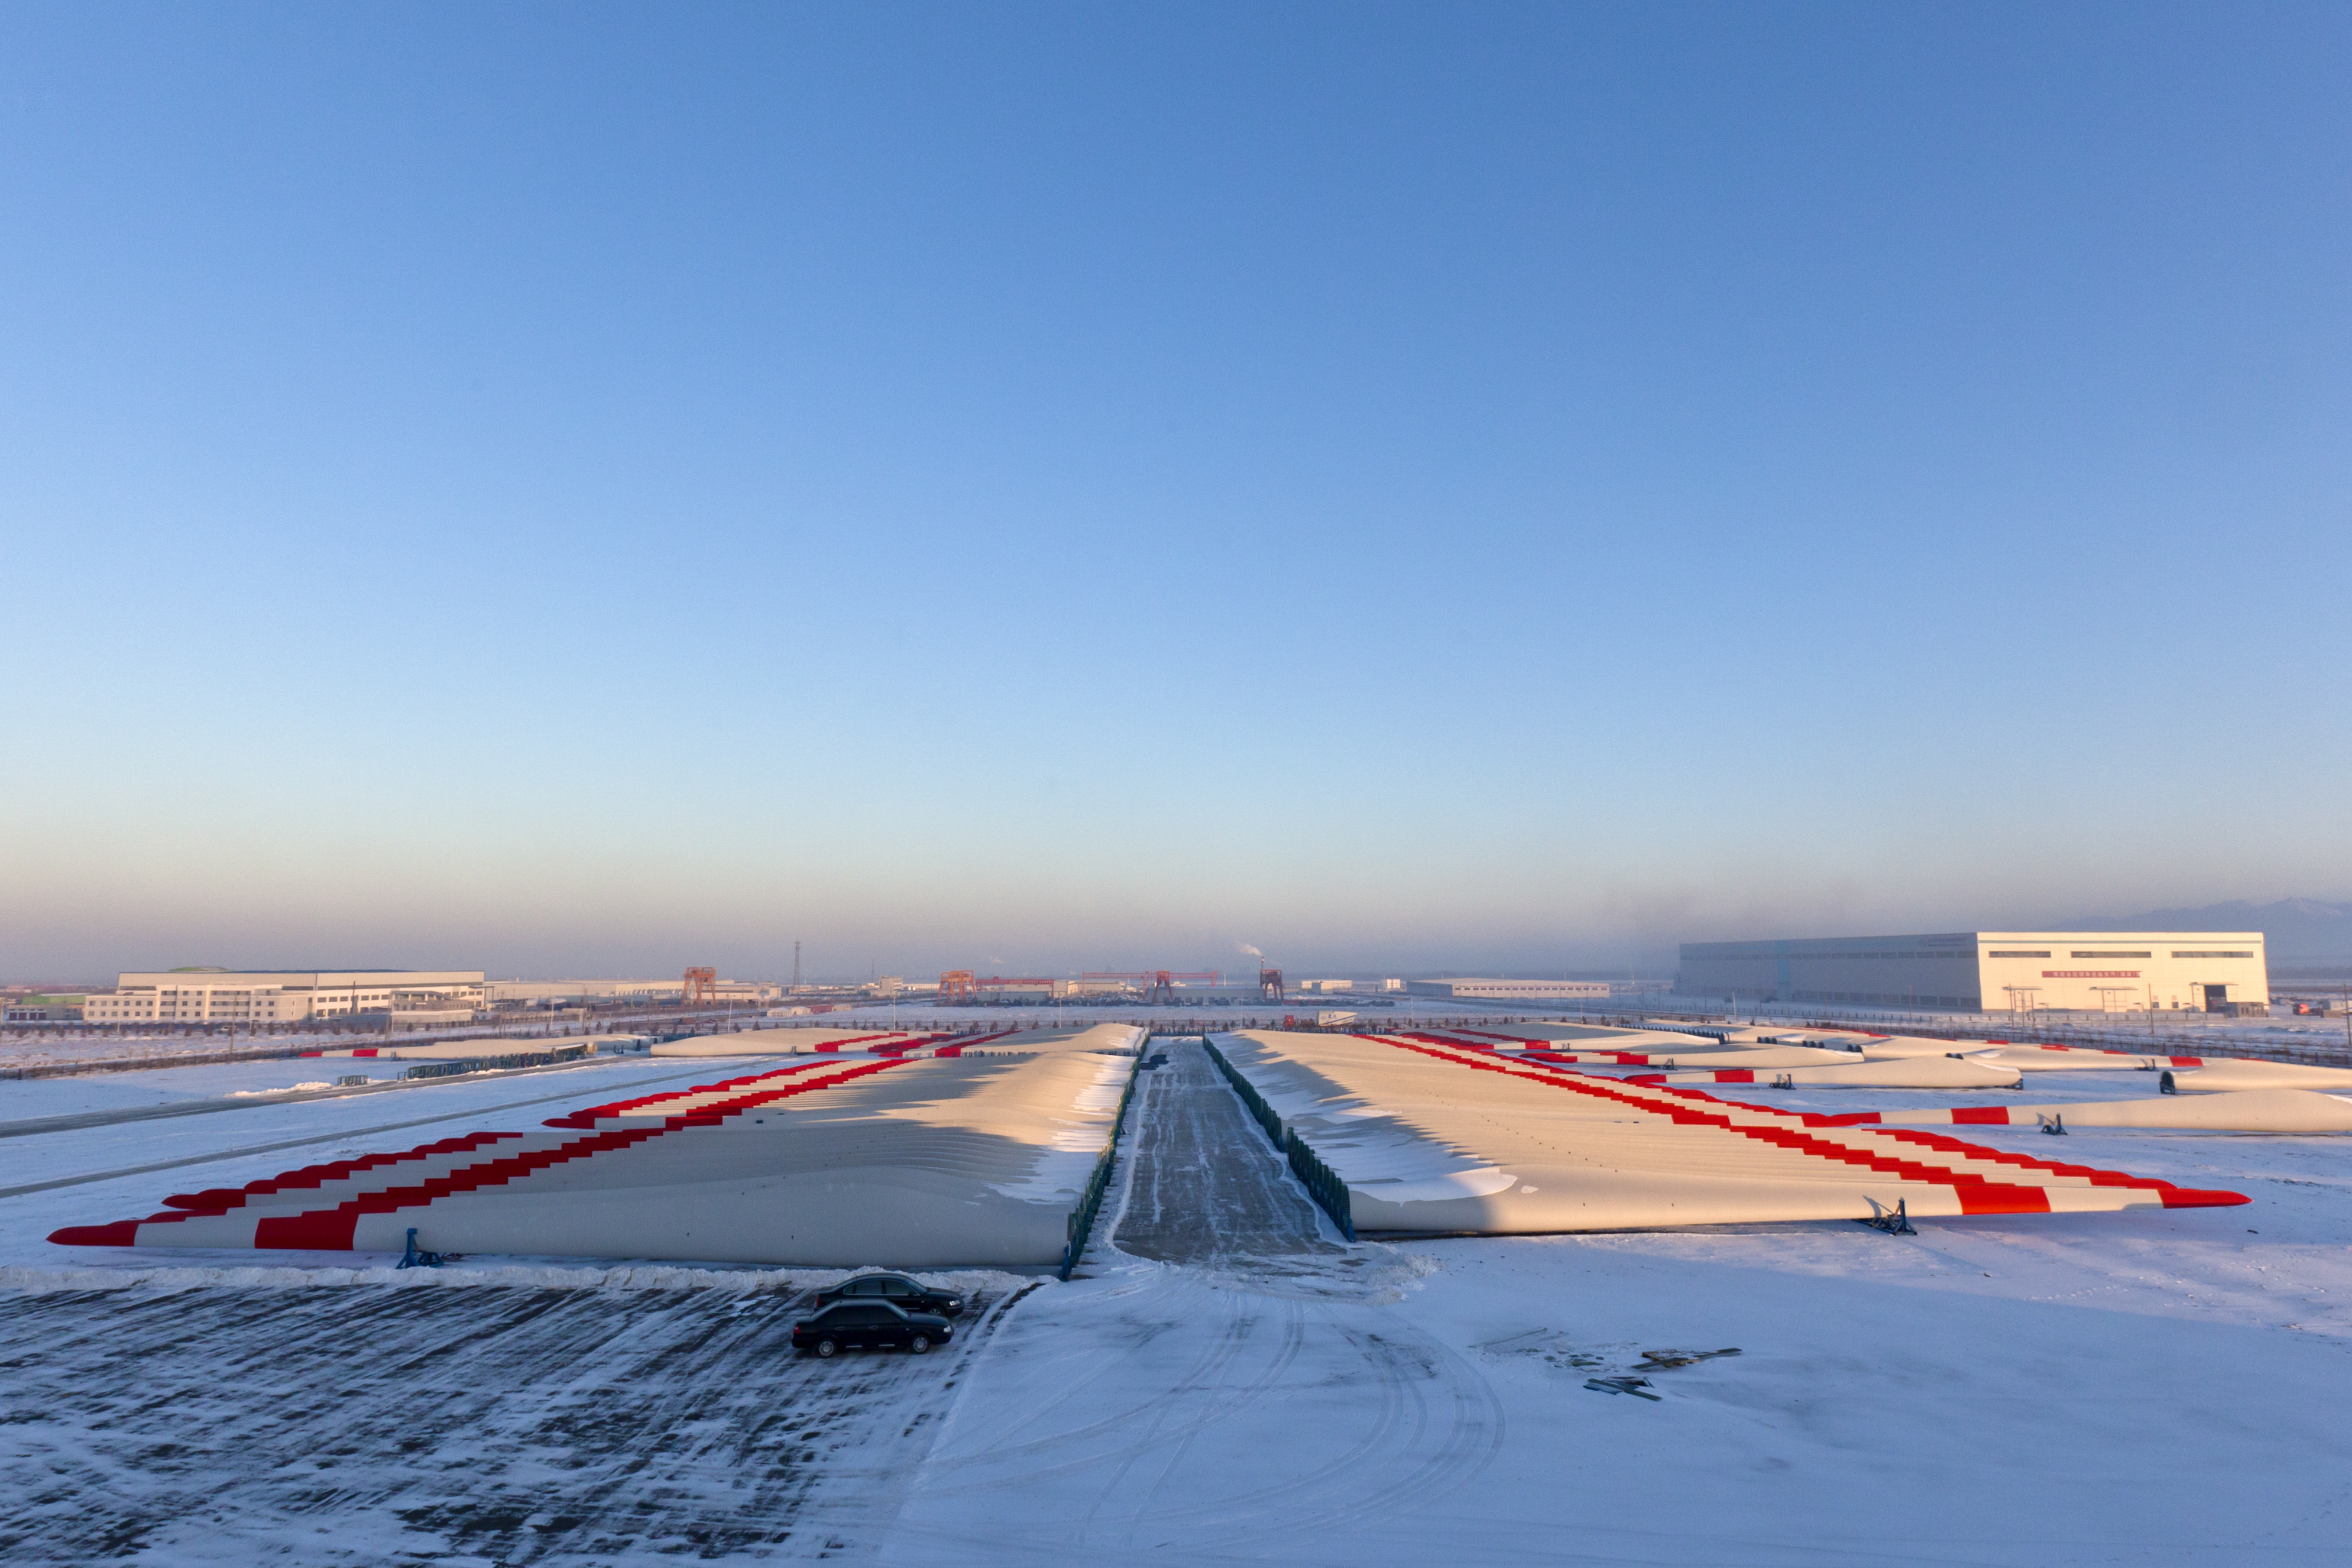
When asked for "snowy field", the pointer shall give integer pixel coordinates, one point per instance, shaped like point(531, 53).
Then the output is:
point(1225, 1381)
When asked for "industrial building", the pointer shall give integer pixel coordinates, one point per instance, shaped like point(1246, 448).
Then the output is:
point(1511, 990)
point(38, 1008)
point(255, 996)
point(568, 991)
point(1984, 971)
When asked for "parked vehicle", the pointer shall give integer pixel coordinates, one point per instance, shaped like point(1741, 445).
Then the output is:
point(895, 1288)
point(869, 1325)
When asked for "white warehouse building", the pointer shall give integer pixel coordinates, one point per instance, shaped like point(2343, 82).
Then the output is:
point(1510, 990)
point(551, 992)
point(1990, 970)
point(281, 996)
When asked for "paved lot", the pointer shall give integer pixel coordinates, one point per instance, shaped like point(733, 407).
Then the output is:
point(373, 1425)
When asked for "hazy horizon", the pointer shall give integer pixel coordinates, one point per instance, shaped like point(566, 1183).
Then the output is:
point(575, 491)
point(1239, 963)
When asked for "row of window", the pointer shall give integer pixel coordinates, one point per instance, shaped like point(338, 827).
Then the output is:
point(1819, 957)
point(2111, 952)
point(1882, 999)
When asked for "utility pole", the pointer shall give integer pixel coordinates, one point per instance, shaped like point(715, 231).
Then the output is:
point(797, 963)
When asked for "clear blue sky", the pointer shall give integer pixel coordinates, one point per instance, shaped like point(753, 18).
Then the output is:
point(592, 488)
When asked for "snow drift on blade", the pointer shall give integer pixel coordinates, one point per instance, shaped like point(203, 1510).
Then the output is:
point(1429, 1136)
point(927, 1156)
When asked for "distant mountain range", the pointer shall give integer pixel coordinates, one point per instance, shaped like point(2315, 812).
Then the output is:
point(2294, 930)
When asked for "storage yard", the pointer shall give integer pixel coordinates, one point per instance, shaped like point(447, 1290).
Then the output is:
point(1225, 1374)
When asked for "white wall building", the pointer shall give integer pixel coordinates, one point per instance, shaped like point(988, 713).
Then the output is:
point(1510, 990)
point(668, 990)
point(278, 996)
point(740, 993)
point(2005, 971)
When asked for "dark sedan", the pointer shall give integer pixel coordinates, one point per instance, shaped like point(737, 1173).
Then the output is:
point(895, 1288)
point(869, 1325)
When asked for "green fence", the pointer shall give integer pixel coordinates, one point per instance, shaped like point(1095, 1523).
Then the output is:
point(1082, 1218)
point(1251, 1098)
point(1321, 1181)
point(486, 1064)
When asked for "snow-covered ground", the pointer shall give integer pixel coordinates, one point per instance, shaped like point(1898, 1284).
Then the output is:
point(2158, 1386)
point(2155, 1386)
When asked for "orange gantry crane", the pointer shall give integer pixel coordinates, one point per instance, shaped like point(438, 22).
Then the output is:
point(961, 985)
point(698, 982)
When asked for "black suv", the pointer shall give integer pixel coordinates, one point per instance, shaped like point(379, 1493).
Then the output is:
point(869, 1325)
point(895, 1288)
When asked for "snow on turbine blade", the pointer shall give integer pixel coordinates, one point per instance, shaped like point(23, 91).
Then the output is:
point(2240, 1111)
point(1429, 1138)
point(1697, 1053)
point(778, 1042)
point(926, 1158)
point(1902, 1072)
point(1759, 1057)
point(2216, 1074)
point(1589, 1037)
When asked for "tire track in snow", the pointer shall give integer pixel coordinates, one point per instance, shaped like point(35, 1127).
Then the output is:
point(347, 1425)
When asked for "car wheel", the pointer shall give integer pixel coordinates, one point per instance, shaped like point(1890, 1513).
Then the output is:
point(826, 1347)
point(919, 1343)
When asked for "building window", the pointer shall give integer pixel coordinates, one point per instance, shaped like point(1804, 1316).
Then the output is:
point(2204, 954)
point(2021, 952)
point(2108, 954)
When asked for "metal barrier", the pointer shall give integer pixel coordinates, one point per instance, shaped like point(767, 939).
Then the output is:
point(484, 1063)
point(1082, 1218)
point(1322, 1183)
point(1251, 1098)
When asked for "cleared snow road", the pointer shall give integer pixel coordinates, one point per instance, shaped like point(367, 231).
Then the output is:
point(1207, 1186)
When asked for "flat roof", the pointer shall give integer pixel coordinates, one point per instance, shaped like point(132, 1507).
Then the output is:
point(1947, 939)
